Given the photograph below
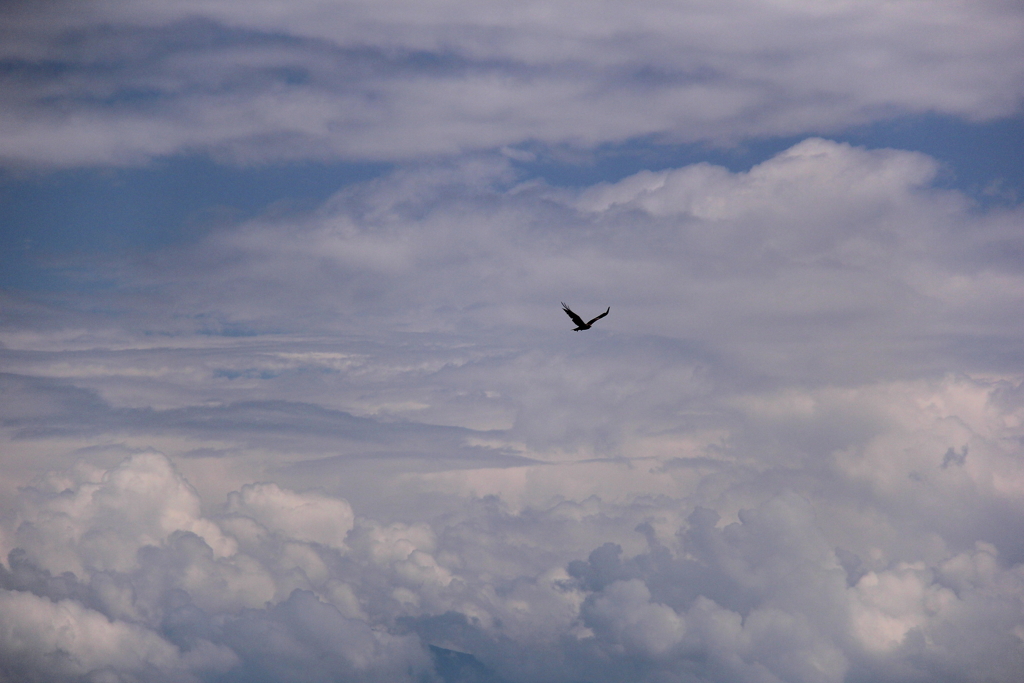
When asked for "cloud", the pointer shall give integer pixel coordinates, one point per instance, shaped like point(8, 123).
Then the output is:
point(791, 584)
point(359, 442)
point(830, 252)
point(64, 641)
point(625, 614)
point(309, 517)
point(159, 592)
point(790, 453)
point(303, 639)
point(777, 570)
point(119, 83)
point(767, 596)
point(103, 523)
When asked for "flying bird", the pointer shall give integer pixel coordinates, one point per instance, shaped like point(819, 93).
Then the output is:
point(580, 325)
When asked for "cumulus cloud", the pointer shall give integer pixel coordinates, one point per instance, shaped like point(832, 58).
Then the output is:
point(65, 641)
point(749, 574)
point(148, 598)
point(307, 517)
point(101, 523)
point(119, 83)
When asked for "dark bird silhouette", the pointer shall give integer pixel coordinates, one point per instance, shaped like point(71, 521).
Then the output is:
point(580, 325)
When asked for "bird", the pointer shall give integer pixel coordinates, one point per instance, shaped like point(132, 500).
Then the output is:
point(580, 325)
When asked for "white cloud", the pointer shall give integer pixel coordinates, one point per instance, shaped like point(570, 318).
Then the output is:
point(155, 580)
point(308, 517)
point(64, 641)
point(101, 522)
point(117, 83)
point(625, 614)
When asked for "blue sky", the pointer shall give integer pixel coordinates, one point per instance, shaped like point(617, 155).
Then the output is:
point(287, 393)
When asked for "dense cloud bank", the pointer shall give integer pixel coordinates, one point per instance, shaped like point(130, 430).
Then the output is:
point(363, 444)
point(101, 82)
point(847, 573)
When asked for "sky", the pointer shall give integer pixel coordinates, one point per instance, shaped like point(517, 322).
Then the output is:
point(287, 394)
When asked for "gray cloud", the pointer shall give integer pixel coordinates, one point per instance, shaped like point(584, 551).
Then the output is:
point(119, 83)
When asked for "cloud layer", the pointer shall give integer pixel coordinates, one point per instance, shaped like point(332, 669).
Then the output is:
point(847, 258)
point(119, 83)
point(361, 443)
point(876, 561)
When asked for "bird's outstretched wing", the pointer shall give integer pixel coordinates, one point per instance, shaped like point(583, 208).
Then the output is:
point(598, 317)
point(575, 318)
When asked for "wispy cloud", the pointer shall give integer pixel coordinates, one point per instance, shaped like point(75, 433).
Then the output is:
point(119, 83)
